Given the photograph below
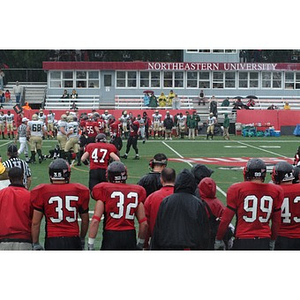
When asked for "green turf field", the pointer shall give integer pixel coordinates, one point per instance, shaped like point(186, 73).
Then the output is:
point(226, 158)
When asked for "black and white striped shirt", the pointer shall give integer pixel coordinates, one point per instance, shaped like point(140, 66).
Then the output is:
point(19, 163)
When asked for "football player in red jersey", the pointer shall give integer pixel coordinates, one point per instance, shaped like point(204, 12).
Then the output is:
point(60, 202)
point(289, 232)
point(120, 203)
point(132, 139)
point(153, 201)
point(15, 213)
point(115, 128)
point(255, 204)
point(99, 155)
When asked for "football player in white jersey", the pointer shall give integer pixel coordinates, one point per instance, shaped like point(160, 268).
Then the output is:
point(181, 123)
point(9, 120)
point(35, 133)
point(62, 134)
point(72, 139)
point(156, 121)
point(50, 123)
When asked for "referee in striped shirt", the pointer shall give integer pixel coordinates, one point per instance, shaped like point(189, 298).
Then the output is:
point(15, 161)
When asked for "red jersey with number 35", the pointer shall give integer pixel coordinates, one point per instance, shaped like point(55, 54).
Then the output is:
point(290, 212)
point(61, 203)
point(100, 154)
point(121, 202)
point(254, 204)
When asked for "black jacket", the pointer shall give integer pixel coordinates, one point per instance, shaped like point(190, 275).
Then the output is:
point(151, 182)
point(181, 221)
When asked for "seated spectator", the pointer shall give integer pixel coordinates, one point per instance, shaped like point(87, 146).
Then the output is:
point(7, 96)
point(272, 106)
point(286, 106)
point(162, 100)
point(26, 106)
point(65, 95)
point(74, 94)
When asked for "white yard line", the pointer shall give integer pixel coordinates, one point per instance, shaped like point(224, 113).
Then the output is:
point(262, 149)
point(190, 164)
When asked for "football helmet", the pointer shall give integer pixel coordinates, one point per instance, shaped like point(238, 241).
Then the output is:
point(63, 117)
point(60, 170)
point(70, 118)
point(116, 172)
point(296, 174)
point(282, 172)
point(100, 138)
point(34, 117)
point(255, 168)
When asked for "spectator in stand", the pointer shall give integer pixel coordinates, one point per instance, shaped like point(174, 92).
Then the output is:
point(272, 107)
point(146, 99)
point(213, 106)
point(152, 101)
point(65, 95)
point(74, 94)
point(286, 106)
point(201, 98)
point(15, 214)
point(176, 102)
point(225, 102)
point(250, 104)
point(7, 96)
point(170, 98)
point(162, 100)
point(26, 106)
point(18, 89)
point(2, 75)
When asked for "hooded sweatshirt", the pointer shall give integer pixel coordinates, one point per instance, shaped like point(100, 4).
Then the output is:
point(208, 189)
point(181, 221)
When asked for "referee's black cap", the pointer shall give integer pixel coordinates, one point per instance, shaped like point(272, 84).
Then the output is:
point(12, 150)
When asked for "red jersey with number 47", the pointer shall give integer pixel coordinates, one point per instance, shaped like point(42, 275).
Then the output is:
point(290, 212)
point(100, 154)
point(121, 202)
point(61, 203)
point(254, 204)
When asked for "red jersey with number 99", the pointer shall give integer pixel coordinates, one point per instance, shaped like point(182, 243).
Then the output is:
point(254, 204)
point(100, 154)
point(121, 202)
point(61, 203)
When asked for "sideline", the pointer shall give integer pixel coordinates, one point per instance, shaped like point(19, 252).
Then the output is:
point(190, 164)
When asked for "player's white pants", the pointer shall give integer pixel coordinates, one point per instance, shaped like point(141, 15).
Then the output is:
point(142, 131)
point(23, 146)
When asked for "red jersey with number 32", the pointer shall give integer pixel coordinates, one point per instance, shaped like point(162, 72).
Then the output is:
point(290, 212)
point(121, 202)
point(100, 154)
point(254, 204)
point(61, 203)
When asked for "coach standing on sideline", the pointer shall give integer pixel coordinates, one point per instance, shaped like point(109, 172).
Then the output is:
point(15, 161)
point(15, 214)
